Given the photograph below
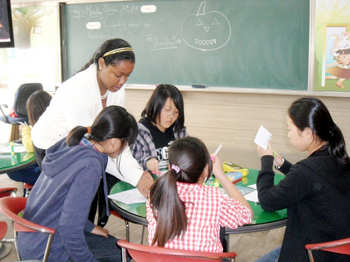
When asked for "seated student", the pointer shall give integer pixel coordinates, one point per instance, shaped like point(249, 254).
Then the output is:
point(162, 123)
point(183, 213)
point(36, 106)
point(315, 191)
point(62, 196)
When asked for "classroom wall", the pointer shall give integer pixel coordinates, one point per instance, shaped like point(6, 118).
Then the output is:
point(234, 118)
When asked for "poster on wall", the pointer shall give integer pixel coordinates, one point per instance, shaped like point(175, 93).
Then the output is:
point(332, 46)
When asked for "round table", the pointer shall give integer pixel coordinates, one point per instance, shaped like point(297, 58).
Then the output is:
point(262, 220)
point(10, 163)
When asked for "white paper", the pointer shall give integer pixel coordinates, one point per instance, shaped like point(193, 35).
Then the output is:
point(252, 196)
point(131, 196)
point(262, 136)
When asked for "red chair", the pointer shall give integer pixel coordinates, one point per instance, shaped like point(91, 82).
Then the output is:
point(142, 253)
point(5, 247)
point(5, 243)
point(341, 246)
point(127, 229)
point(26, 189)
point(8, 191)
point(10, 207)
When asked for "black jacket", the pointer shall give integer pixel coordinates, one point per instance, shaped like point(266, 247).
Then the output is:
point(316, 193)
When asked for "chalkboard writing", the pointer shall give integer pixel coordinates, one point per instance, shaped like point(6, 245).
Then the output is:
point(227, 43)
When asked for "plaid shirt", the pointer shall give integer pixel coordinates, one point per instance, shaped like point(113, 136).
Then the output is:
point(144, 148)
point(207, 209)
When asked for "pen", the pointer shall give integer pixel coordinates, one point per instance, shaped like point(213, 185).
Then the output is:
point(216, 152)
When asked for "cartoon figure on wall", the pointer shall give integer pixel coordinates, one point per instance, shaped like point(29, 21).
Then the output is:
point(341, 53)
point(206, 31)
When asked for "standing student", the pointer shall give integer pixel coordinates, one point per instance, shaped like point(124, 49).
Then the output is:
point(183, 213)
point(162, 123)
point(79, 100)
point(61, 197)
point(36, 105)
point(315, 191)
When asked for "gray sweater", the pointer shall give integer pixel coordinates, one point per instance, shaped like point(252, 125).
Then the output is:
point(61, 199)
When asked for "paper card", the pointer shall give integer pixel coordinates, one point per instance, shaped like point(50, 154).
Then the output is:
point(252, 196)
point(262, 136)
point(131, 196)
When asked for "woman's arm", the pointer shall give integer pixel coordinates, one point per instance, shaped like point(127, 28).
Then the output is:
point(144, 149)
point(26, 138)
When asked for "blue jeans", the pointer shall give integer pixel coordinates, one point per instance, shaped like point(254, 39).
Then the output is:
point(103, 249)
point(27, 175)
point(272, 256)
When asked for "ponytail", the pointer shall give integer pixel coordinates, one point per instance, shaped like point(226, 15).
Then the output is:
point(111, 122)
point(75, 135)
point(167, 206)
point(337, 147)
point(188, 157)
point(310, 112)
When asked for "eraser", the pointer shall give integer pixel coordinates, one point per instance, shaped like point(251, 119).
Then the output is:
point(198, 86)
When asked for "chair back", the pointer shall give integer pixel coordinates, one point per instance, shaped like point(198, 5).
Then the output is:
point(23, 93)
point(8, 191)
point(3, 229)
point(341, 246)
point(142, 253)
point(10, 207)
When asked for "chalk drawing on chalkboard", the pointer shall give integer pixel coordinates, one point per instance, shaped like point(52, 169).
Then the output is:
point(206, 31)
point(93, 25)
point(148, 8)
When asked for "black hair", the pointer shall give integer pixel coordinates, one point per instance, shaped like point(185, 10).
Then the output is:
point(157, 100)
point(113, 59)
point(111, 122)
point(310, 112)
point(36, 105)
point(191, 156)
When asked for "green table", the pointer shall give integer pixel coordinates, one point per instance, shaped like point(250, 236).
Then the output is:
point(20, 160)
point(9, 163)
point(262, 220)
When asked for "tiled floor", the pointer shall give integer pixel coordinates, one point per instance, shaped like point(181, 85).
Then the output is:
point(249, 247)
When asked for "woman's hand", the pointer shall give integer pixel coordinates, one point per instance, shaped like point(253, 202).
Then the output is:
point(268, 152)
point(217, 167)
point(152, 165)
point(278, 160)
point(100, 231)
point(145, 183)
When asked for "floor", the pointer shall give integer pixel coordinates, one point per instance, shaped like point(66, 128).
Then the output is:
point(249, 247)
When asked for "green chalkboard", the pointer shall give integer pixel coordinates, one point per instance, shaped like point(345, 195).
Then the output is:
point(225, 43)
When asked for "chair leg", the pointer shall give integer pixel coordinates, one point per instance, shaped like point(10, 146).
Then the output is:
point(15, 242)
point(127, 231)
point(124, 255)
point(143, 233)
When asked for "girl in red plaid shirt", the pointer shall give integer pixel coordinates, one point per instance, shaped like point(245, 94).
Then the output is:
point(183, 213)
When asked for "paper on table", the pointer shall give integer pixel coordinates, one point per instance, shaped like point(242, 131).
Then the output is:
point(262, 136)
point(252, 196)
point(131, 196)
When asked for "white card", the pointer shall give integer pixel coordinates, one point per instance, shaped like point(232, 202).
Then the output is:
point(262, 136)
